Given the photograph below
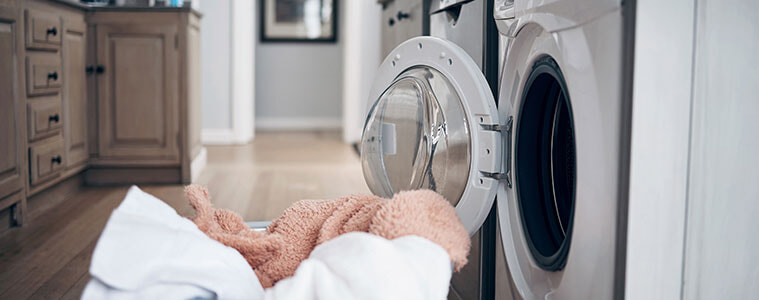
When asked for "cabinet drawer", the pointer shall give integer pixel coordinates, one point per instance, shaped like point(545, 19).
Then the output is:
point(46, 161)
point(43, 30)
point(44, 116)
point(43, 73)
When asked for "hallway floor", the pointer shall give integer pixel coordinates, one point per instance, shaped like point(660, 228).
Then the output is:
point(49, 257)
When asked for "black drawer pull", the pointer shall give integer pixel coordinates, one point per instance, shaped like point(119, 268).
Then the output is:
point(57, 160)
point(52, 31)
point(53, 76)
point(391, 22)
point(54, 118)
point(100, 69)
point(89, 69)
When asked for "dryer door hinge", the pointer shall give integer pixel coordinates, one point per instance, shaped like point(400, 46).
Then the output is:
point(505, 131)
point(500, 128)
point(499, 176)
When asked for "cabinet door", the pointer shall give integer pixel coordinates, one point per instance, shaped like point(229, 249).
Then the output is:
point(74, 92)
point(138, 93)
point(10, 112)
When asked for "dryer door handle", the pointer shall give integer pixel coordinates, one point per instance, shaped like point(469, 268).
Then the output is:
point(402, 15)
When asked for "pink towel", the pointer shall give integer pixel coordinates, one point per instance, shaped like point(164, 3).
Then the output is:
point(276, 253)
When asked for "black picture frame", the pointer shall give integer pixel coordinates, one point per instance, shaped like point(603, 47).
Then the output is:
point(266, 38)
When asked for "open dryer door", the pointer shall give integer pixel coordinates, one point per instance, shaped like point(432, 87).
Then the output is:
point(434, 125)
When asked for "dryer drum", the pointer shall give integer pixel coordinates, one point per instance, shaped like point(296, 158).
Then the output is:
point(545, 165)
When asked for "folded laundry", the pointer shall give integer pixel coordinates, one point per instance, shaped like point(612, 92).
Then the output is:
point(276, 253)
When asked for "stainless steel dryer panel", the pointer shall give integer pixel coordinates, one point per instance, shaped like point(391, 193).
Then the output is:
point(402, 20)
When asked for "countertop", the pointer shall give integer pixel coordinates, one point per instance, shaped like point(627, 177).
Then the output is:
point(84, 6)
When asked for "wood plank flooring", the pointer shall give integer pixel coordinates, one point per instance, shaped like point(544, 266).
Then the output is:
point(49, 257)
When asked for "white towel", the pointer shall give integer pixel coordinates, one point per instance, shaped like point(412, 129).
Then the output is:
point(147, 251)
point(360, 265)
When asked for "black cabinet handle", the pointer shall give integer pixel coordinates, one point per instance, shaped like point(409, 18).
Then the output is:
point(54, 118)
point(53, 76)
point(52, 31)
point(100, 69)
point(391, 22)
point(89, 69)
point(57, 160)
point(402, 15)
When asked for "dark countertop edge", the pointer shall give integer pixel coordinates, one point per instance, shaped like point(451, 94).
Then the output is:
point(85, 7)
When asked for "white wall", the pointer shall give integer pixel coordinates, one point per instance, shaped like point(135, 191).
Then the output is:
point(362, 57)
point(722, 241)
point(658, 158)
point(300, 84)
point(694, 190)
point(228, 30)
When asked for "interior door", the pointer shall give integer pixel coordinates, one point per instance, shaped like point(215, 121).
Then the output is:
point(10, 110)
point(75, 92)
point(138, 92)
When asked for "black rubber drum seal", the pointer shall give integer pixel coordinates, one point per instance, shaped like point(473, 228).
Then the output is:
point(545, 165)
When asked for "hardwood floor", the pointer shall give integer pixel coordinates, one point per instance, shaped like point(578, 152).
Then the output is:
point(49, 257)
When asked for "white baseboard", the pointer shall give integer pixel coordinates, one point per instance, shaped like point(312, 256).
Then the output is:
point(198, 164)
point(298, 123)
point(226, 136)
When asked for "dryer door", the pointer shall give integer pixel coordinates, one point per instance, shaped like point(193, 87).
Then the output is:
point(433, 126)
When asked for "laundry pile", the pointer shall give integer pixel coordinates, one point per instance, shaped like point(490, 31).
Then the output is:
point(357, 247)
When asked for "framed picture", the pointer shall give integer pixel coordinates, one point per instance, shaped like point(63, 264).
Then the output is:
point(299, 21)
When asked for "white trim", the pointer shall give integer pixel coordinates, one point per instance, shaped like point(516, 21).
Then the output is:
point(235, 70)
point(242, 72)
point(361, 58)
point(198, 164)
point(223, 136)
point(298, 123)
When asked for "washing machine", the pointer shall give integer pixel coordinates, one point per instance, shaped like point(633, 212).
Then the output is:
point(548, 154)
point(470, 25)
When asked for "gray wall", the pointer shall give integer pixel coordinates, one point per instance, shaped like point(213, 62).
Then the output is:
point(215, 63)
point(299, 85)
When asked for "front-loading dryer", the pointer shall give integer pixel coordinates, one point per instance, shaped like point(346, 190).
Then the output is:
point(552, 149)
point(561, 84)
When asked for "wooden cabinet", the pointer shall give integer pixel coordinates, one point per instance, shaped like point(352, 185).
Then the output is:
point(74, 61)
point(11, 114)
point(55, 53)
point(148, 97)
point(138, 93)
point(113, 92)
point(190, 83)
